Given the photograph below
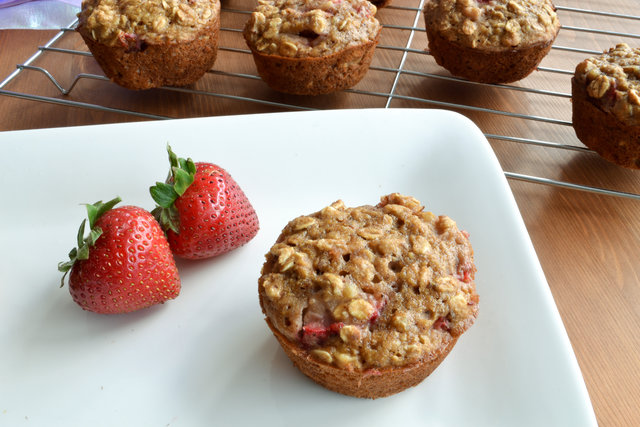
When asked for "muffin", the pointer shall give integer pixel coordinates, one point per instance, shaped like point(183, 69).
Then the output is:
point(368, 301)
point(490, 41)
point(605, 94)
point(312, 47)
point(147, 44)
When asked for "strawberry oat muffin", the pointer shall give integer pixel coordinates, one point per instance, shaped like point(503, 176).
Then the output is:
point(490, 41)
point(368, 301)
point(312, 47)
point(606, 105)
point(147, 44)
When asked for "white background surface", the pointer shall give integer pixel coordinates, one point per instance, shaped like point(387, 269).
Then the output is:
point(208, 358)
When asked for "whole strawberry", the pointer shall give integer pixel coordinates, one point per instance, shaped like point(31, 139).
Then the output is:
point(123, 264)
point(203, 211)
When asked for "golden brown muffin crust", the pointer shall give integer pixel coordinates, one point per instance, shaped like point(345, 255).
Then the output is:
point(316, 75)
point(147, 44)
point(602, 131)
point(371, 287)
point(612, 81)
point(493, 24)
point(313, 28)
point(113, 22)
point(371, 384)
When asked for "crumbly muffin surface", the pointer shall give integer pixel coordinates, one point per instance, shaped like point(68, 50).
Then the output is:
point(302, 28)
point(612, 80)
point(493, 24)
point(118, 22)
point(370, 287)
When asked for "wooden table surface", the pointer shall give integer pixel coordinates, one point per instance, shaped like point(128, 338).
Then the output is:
point(588, 244)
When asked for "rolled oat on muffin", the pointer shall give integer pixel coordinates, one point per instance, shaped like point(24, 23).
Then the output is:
point(152, 43)
point(368, 301)
point(312, 47)
point(605, 96)
point(490, 41)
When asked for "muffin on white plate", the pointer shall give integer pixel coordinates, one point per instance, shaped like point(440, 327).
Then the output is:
point(368, 301)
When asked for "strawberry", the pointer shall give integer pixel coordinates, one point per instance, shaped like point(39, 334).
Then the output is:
point(316, 332)
point(124, 264)
point(203, 211)
point(442, 323)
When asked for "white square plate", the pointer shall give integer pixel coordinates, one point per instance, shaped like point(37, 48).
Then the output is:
point(207, 358)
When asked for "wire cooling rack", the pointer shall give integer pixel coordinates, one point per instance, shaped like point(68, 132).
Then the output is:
point(403, 74)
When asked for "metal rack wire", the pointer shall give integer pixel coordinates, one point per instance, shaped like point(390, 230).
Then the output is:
point(413, 28)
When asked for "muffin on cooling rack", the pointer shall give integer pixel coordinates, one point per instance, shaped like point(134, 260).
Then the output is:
point(605, 93)
point(147, 44)
point(368, 301)
point(312, 47)
point(490, 41)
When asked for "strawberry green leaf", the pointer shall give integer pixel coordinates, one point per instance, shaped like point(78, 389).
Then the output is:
point(94, 212)
point(83, 252)
point(93, 236)
point(182, 180)
point(98, 209)
point(64, 267)
point(168, 218)
point(181, 175)
point(90, 240)
point(163, 194)
point(190, 166)
point(80, 237)
point(174, 161)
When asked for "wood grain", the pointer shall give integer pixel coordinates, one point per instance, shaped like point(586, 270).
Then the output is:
point(588, 244)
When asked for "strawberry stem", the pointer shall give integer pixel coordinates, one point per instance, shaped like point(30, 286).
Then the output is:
point(94, 212)
point(181, 175)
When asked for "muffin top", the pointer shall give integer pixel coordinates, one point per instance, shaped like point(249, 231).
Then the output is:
point(370, 287)
point(493, 24)
point(613, 81)
point(303, 28)
point(126, 22)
